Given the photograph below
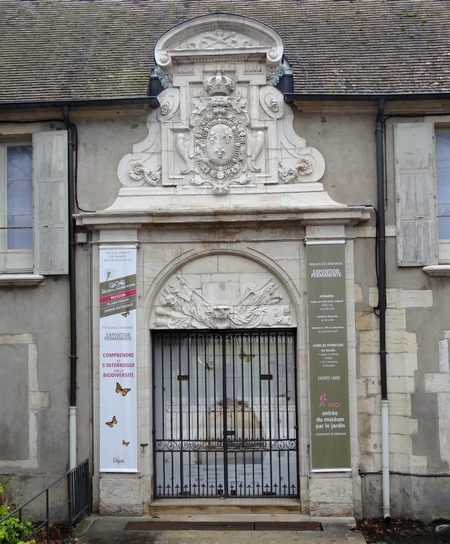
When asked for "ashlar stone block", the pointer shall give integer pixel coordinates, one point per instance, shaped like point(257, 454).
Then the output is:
point(402, 425)
point(120, 495)
point(331, 496)
point(409, 298)
point(366, 321)
point(396, 319)
point(369, 365)
point(400, 444)
point(400, 341)
point(369, 341)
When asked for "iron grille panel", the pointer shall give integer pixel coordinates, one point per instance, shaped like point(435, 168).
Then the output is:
point(225, 415)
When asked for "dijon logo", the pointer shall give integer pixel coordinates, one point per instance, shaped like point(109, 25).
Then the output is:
point(118, 460)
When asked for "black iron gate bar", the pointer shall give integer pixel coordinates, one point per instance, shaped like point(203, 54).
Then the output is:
point(225, 417)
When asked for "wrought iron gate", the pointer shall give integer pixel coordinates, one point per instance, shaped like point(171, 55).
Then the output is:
point(225, 416)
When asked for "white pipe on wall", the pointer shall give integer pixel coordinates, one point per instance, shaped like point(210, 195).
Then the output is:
point(72, 437)
point(385, 458)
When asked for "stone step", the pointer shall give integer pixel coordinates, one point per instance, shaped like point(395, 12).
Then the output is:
point(224, 506)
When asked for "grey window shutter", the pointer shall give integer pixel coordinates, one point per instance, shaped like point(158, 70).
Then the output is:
point(415, 194)
point(50, 202)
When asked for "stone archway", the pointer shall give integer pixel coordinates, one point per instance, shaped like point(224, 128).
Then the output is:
point(224, 374)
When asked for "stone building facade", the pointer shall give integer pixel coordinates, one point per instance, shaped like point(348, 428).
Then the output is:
point(253, 299)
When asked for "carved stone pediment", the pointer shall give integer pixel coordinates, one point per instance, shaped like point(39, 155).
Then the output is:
point(219, 34)
point(222, 127)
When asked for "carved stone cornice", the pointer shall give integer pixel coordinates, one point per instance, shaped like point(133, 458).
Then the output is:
point(205, 216)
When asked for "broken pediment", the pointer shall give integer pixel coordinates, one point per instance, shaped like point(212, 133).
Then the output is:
point(222, 127)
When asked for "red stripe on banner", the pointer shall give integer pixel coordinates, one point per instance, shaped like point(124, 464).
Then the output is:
point(118, 296)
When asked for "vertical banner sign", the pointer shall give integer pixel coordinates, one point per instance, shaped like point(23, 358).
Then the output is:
point(118, 408)
point(330, 433)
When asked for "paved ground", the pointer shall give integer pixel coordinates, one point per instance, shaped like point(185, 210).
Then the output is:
point(111, 530)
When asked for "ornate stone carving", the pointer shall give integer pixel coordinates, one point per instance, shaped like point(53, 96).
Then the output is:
point(218, 33)
point(170, 101)
point(303, 167)
point(252, 68)
point(182, 306)
point(220, 141)
point(185, 69)
point(219, 84)
point(220, 126)
point(219, 38)
point(138, 172)
point(272, 102)
point(273, 77)
point(165, 77)
point(258, 145)
point(182, 143)
point(165, 108)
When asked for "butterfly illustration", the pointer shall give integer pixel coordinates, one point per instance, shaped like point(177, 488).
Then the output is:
point(123, 390)
point(245, 357)
point(125, 443)
point(112, 422)
point(126, 314)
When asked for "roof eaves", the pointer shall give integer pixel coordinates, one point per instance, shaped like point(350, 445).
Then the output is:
point(152, 101)
point(289, 98)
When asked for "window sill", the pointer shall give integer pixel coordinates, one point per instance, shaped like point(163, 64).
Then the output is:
point(437, 270)
point(20, 280)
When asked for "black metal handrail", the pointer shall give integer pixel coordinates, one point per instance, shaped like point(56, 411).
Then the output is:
point(77, 503)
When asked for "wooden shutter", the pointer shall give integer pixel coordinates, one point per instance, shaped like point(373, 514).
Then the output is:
point(50, 188)
point(415, 194)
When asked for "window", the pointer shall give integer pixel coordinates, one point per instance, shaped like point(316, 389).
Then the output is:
point(33, 203)
point(17, 206)
point(422, 183)
point(443, 187)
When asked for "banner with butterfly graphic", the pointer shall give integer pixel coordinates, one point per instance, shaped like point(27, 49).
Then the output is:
point(118, 408)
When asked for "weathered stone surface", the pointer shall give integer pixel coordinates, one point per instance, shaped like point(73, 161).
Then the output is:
point(120, 495)
point(331, 496)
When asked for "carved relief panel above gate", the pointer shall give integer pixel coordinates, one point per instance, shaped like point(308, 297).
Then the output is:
point(222, 126)
point(246, 296)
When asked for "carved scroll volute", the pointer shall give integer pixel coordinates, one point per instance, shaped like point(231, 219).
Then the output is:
point(297, 163)
point(143, 167)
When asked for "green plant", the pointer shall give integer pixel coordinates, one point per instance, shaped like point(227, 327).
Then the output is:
point(12, 530)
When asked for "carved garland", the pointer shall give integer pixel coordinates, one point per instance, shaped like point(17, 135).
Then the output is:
point(303, 167)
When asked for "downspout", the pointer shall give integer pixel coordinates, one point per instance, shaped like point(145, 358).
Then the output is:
point(381, 249)
point(72, 294)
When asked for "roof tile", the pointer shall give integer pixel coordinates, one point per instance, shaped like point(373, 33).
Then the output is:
point(80, 49)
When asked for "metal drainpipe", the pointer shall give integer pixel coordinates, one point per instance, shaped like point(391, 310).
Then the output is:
point(381, 247)
point(72, 302)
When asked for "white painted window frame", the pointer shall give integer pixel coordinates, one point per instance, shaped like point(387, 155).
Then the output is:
point(11, 260)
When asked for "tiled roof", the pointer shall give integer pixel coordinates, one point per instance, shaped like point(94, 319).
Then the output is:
point(103, 49)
